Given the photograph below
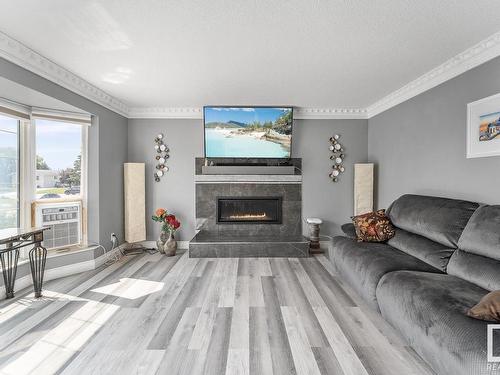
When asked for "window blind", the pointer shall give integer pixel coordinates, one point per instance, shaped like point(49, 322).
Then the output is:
point(24, 112)
point(53, 115)
point(14, 110)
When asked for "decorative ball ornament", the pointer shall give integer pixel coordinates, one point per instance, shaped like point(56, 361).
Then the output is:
point(161, 157)
point(337, 156)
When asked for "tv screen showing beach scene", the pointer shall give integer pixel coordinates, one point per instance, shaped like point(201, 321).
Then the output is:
point(248, 132)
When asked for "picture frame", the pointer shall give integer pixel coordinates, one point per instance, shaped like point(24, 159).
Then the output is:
point(483, 127)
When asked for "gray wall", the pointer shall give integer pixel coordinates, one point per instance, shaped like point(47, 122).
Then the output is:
point(419, 145)
point(321, 197)
point(175, 191)
point(332, 202)
point(107, 153)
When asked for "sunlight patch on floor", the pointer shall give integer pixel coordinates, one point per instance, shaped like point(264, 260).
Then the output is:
point(130, 288)
point(22, 304)
point(62, 342)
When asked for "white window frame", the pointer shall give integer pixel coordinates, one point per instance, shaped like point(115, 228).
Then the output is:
point(29, 183)
point(19, 202)
point(31, 165)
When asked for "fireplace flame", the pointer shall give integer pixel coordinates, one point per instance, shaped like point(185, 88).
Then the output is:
point(248, 217)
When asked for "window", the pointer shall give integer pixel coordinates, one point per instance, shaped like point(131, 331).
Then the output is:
point(59, 147)
point(43, 167)
point(9, 172)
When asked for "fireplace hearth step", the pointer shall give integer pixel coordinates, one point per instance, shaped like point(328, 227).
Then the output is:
point(231, 245)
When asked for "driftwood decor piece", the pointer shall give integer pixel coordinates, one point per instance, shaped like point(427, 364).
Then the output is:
point(337, 156)
point(363, 188)
point(161, 157)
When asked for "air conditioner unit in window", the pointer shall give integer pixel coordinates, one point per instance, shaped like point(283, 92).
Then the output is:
point(64, 220)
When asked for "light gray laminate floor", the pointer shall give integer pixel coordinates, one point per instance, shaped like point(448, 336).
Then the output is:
point(151, 314)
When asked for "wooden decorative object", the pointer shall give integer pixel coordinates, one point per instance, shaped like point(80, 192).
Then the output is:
point(337, 156)
point(363, 188)
point(162, 154)
point(135, 202)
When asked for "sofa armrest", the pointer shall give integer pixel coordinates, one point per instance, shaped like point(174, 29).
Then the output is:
point(349, 230)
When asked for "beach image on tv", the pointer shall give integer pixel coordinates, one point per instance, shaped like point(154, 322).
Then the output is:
point(253, 132)
point(489, 127)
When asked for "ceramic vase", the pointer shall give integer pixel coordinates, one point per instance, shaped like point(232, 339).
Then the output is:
point(170, 247)
point(160, 243)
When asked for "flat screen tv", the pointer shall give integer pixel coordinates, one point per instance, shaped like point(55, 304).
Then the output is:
point(248, 132)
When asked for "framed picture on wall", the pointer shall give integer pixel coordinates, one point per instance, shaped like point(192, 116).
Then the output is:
point(483, 127)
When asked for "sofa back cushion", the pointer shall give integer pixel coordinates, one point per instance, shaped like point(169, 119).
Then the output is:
point(478, 257)
point(430, 252)
point(481, 236)
point(479, 270)
point(439, 219)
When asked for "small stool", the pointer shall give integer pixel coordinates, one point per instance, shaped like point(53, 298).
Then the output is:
point(314, 227)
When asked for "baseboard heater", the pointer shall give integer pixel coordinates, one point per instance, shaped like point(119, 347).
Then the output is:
point(248, 169)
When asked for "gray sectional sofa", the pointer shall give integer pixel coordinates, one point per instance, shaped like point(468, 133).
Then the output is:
point(444, 258)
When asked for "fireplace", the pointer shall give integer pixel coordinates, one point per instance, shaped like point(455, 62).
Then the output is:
point(246, 210)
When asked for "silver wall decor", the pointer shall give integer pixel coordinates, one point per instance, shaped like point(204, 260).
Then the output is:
point(337, 156)
point(161, 157)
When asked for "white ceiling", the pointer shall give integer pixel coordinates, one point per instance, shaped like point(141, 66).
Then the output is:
point(189, 53)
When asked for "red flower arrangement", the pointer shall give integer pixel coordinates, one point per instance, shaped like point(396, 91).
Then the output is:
point(169, 221)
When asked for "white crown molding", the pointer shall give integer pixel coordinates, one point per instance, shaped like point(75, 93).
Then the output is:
point(16, 52)
point(165, 113)
point(19, 54)
point(299, 113)
point(302, 113)
point(478, 54)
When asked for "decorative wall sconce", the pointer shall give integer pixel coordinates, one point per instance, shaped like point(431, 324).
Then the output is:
point(161, 157)
point(337, 156)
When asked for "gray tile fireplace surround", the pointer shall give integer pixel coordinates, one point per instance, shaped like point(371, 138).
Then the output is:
point(215, 239)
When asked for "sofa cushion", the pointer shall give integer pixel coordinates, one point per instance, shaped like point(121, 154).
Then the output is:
point(476, 269)
point(362, 264)
point(488, 308)
point(373, 227)
point(429, 310)
point(438, 219)
point(481, 235)
point(430, 252)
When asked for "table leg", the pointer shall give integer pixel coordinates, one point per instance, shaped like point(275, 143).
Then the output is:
point(9, 260)
point(38, 256)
